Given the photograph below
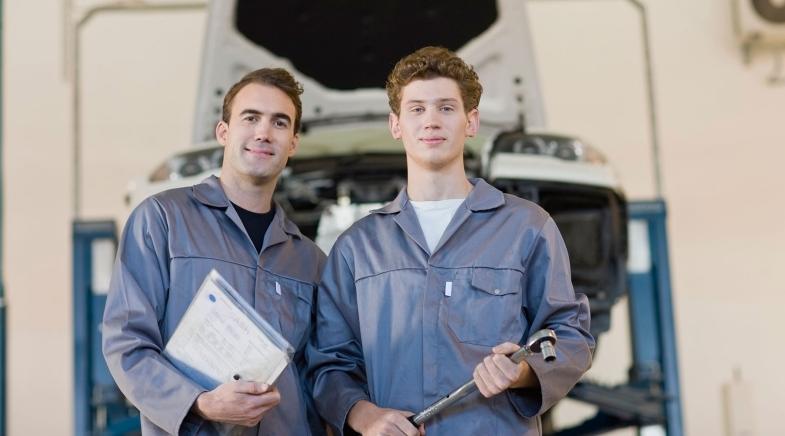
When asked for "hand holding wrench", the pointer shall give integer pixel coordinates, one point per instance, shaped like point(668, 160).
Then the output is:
point(542, 341)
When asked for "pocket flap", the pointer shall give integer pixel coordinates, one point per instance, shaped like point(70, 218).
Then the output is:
point(303, 291)
point(497, 281)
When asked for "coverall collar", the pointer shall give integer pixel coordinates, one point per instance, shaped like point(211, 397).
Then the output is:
point(210, 193)
point(482, 197)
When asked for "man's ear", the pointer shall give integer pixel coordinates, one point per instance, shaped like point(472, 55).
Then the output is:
point(473, 122)
point(293, 146)
point(395, 126)
point(221, 132)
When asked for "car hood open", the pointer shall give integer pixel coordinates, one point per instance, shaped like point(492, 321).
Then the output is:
point(341, 51)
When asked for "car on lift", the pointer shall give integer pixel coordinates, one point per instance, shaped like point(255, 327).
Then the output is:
point(344, 171)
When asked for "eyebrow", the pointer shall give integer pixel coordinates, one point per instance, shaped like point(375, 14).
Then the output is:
point(277, 115)
point(438, 100)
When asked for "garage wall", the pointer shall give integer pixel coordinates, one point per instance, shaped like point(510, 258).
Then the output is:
point(36, 206)
point(720, 153)
point(722, 141)
point(139, 74)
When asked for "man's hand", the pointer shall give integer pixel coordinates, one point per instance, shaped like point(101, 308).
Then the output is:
point(497, 373)
point(241, 402)
point(368, 419)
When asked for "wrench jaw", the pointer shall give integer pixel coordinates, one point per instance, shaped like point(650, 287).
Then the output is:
point(543, 342)
point(548, 351)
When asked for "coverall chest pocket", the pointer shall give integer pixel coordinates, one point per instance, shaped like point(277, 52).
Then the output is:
point(485, 309)
point(295, 300)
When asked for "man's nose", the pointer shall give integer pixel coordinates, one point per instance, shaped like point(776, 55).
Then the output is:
point(432, 120)
point(262, 131)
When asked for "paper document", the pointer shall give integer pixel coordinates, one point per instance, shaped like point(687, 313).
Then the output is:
point(222, 338)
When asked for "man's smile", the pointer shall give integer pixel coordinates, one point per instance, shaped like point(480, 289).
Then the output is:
point(259, 151)
point(433, 140)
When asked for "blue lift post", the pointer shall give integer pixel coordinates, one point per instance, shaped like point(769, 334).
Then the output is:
point(651, 396)
point(100, 408)
point(653, 328)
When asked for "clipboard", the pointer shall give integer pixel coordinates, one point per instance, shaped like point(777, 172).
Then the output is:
point(222, 338)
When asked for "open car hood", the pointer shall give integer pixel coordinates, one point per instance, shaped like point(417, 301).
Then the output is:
point(344, 73)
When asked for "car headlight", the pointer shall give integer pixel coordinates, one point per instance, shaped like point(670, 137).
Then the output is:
point(189, 164)
point(561, 147)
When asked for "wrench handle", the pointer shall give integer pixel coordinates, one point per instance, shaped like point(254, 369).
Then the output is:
point(541, 342)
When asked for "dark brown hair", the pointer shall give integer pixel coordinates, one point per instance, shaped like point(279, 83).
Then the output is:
point(431, 63)
point(275, 77)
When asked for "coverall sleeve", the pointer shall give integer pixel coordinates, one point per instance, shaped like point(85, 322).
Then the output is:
point(335, 358)
point(551, 302)
point(135, 308)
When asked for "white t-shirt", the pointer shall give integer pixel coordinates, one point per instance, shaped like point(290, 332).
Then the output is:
point(434, 216)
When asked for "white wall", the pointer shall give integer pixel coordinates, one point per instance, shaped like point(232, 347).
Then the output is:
point(36, 210)
point(139, 74)
point(722, 145)
point(721, 138)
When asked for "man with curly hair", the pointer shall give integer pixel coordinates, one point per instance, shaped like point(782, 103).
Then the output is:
point(441, 284)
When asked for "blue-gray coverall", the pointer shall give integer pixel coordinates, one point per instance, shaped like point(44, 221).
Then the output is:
point(401, 327)
point(170, 243)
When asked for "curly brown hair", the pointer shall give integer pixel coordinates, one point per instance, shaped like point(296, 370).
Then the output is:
point(430, 63)
point(275, 77)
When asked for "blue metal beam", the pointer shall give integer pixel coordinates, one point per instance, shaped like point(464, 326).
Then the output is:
point(86, 320)
point(651, 315)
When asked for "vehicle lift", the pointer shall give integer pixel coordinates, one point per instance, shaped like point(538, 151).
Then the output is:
point(99, 406)
point(651, 396)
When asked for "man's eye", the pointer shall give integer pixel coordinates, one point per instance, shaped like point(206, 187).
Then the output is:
point(250, 118)
point(281, 123)
point(447, 108)
point(416, 109)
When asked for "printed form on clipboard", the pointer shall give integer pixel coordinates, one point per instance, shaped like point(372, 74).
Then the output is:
point(222, 338)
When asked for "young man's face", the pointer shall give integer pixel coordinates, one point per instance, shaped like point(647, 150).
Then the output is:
point(433, 123)
point(259, 137)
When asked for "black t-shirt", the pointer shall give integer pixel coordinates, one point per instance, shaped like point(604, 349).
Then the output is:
point(256, 224)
